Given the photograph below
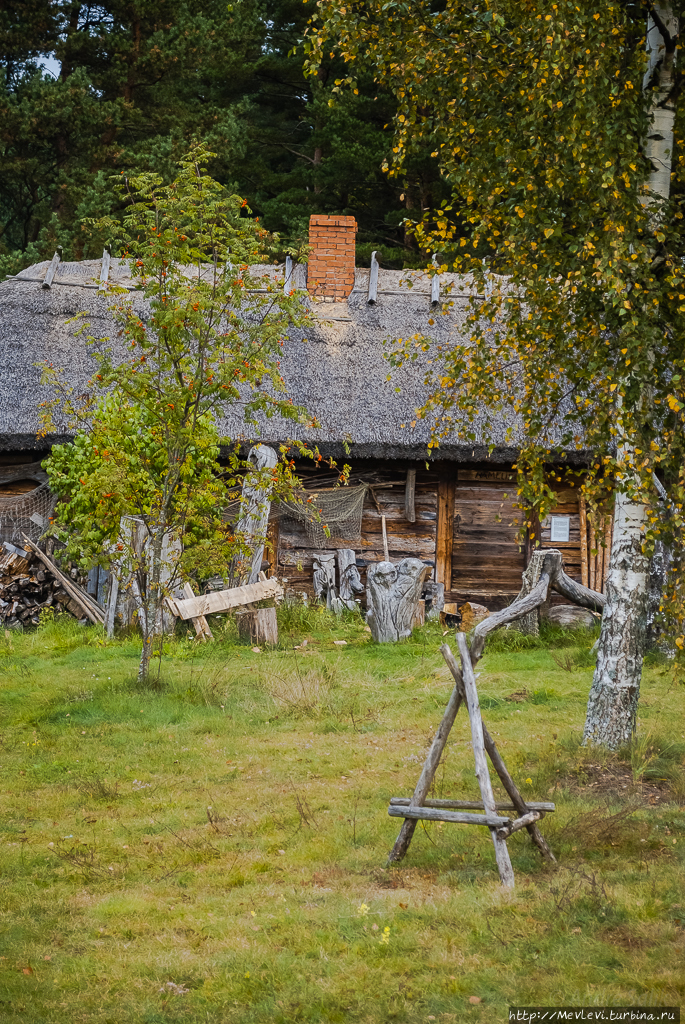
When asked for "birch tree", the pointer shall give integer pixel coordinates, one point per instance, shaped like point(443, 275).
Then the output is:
point(554, 126)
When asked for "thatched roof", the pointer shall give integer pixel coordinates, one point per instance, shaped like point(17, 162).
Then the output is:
point(336, 368)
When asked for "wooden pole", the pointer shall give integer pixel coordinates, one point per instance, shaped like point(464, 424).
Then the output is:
point(386, 556)
point(593, 559)
point(599, 562)
point(582, 509)
point(429, 769)
point(506, 872)
point(498, 764)
point(410, 497)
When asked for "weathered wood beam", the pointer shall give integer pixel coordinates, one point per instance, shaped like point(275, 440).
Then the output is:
point(436, 814)
point(225, 600)
point(506, 872)
point(51, 271)
point(471, 805)
point(372, 297)
point(410, 497)
point(199, 621)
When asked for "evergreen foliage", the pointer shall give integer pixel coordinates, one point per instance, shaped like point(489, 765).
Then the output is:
point(137, 82)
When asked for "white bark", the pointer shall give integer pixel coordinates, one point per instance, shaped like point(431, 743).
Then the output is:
point(612, 705)
point(661, 63)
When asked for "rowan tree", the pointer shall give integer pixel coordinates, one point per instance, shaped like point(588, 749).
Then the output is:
point(553, 125)
point(204, 338)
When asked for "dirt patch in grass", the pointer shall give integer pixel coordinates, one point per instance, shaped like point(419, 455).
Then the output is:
point(614, 781)
point(625, 937)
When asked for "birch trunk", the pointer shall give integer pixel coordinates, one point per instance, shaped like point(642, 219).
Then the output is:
point(612, 706)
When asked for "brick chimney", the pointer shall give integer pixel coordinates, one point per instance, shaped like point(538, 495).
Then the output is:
point(330, 274)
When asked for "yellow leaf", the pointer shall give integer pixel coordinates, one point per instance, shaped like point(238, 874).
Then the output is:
point(549, 232)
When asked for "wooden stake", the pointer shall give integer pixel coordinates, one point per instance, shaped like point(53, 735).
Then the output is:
point(593, 560)
point(410, 497)
point(385, 540)
point(582, 509)
point(506, 872)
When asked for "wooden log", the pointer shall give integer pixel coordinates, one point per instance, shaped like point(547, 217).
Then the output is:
point(520, 607)
point(89, 607)
point(410, 497)
point(519, 823)
point(506, 871)
point(592, 556)
point(420, 615)
point(392, 593)
point(444, 538)
point(428, 772)
point(259, 626)
point(577, 593)
point(225, 600)
point(437, 814)
point(202, 629)
point(435, 595)
point(349, 579)
point(471, 805)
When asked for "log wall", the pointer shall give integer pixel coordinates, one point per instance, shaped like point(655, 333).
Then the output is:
point(466, 527)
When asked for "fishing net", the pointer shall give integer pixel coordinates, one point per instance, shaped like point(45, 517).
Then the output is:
point(25, 513)
point(340, 510)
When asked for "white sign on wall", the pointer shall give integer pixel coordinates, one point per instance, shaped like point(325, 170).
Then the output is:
point(560, 528)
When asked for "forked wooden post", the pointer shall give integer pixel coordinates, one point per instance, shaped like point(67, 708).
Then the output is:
point(552, 576)
point(506, 872)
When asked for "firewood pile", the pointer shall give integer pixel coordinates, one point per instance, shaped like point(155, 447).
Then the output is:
point(27, 586)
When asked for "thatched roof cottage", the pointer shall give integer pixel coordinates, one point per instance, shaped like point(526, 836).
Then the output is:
point(462, 510)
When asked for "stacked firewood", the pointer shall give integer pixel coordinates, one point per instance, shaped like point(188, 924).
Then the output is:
point(27, 586)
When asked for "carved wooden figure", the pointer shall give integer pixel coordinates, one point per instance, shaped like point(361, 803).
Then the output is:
point(254, 518)
point(348, 576)
point(393, 593)
point(324, 580)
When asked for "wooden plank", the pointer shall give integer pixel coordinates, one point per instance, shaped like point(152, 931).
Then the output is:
point(223, 600)
point(506, 871)
point(435, 814)
point(444, 538)
point(202, 629)
point(471, 805)
point(410, 497)
point(592, 557)
point(487, 475)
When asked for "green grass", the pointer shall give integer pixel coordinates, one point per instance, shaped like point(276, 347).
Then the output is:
point(221, 834)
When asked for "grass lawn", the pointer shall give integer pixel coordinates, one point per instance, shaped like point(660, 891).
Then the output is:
point(213, 848)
